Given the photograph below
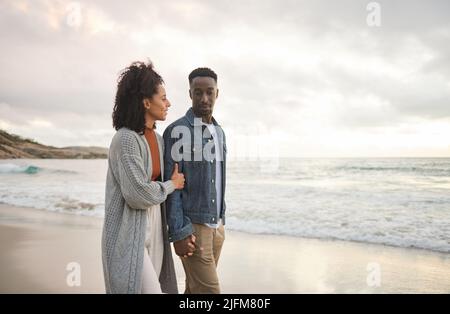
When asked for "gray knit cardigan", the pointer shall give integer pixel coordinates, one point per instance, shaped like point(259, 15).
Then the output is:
point(129, 192)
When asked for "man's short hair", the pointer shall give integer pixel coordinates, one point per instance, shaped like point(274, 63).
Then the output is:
point(202, 72)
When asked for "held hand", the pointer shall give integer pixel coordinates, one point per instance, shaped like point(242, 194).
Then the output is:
point(185, 247)
point(177, 178)
point(193, 238)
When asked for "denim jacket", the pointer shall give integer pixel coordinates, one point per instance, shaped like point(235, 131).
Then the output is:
point(190, 144)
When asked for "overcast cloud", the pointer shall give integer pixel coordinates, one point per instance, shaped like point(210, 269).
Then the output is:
point(311, 75)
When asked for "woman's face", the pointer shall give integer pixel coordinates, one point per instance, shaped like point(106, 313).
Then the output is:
point(158, 105)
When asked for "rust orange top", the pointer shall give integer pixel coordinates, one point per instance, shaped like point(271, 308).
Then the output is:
point(152, 141)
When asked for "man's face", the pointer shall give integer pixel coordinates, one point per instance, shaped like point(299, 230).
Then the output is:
point(203, 93)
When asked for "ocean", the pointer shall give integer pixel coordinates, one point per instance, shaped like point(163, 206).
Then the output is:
point(402, 202)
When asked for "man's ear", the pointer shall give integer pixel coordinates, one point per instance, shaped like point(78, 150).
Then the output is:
point(190, 94)
point(217, 93)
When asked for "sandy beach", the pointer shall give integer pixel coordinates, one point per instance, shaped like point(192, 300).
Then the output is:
point(37, 246)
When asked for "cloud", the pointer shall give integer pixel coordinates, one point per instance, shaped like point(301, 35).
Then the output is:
point(302, 68)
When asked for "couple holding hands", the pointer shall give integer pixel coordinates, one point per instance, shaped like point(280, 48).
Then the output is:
point(163, 189)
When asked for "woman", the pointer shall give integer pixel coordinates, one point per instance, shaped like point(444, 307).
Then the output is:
point(135, 248)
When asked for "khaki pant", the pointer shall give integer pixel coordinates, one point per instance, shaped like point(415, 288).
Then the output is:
point(201, 267)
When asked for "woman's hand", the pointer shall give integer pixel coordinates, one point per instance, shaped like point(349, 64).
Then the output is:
point(177, 178)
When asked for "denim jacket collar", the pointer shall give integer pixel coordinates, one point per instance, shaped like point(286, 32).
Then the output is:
point(190, 117)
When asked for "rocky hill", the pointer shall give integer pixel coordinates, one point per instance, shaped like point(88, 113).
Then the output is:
point(14, 146)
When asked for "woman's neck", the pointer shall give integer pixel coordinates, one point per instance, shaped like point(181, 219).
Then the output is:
point(149, 123)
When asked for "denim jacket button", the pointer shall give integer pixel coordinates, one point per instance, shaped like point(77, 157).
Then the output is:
point(212, 161)
point(213, 200)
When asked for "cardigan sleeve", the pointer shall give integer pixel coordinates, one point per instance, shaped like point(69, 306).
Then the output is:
point(137, 189)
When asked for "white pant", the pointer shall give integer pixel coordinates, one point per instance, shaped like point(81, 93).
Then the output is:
point(153, 252)
point(150, 280)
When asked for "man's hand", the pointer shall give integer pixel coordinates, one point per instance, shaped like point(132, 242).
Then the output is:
point(185, 247)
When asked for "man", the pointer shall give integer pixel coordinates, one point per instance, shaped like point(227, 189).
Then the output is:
point(196, 214)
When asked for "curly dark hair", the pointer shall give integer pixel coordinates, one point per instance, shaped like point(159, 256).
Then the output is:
point(136, 82)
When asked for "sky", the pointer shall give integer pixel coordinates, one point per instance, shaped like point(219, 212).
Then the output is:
point(296, 78)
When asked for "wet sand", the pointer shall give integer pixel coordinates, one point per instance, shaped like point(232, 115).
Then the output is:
point(38, 246)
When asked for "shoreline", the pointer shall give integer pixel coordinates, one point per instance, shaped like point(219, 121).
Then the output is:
point(37, 246)
point(382, 245)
